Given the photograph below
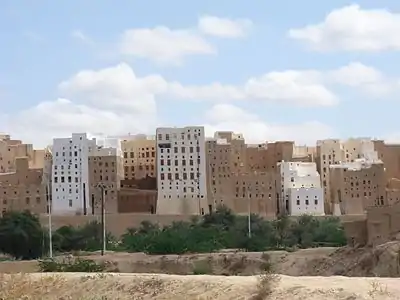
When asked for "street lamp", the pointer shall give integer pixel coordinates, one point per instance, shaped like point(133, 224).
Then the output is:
point(102, 188)
point(249, 212)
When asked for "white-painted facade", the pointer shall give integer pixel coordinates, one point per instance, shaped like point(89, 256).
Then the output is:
point(301, 191)
point(70, 174)
point(181, 170)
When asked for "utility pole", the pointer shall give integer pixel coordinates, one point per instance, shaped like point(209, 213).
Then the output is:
point(103, 221)
point(249, 212)
point(50, 204)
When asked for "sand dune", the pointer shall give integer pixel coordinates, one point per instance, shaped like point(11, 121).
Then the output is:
point(147, 286)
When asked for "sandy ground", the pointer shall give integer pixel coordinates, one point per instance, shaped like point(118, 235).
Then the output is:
point(176, 287)
point(381, 261)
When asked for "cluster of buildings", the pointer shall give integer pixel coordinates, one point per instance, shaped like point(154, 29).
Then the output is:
point(181, 172)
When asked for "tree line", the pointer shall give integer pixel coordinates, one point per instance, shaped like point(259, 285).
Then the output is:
point(23, 237)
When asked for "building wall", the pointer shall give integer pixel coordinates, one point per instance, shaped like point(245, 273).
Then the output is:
point(139, 157)
point(329, 152)
point(23, 189)
point(70, 174)
point(306, 201)
point(256, 189)
point(390, 155)
point(11, 149)
point(181, 171)
point(132, 200)
point(117, 224)
point(383, 224)
point(225, 156)
point(105, 169)
point(357, 186)
point(265, 157)
point(237, 177)
point(393, 191)
point(300, 189)
point(336, 152)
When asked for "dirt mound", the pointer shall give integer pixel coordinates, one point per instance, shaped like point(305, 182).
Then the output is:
point(381, 261)
point(157, 287)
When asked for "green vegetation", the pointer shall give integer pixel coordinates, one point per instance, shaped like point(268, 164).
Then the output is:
point(224, 230)
point(70, 265)
point(22, 237)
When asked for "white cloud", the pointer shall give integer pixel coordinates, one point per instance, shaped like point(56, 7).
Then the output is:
point(164, 45)
point(115, 100)
point(294, 87)
point(302, 88)
point(80, 36)
point(224, 27)
point(352, 28)
point(364, 78)
point(59, 118)
point(255, 130)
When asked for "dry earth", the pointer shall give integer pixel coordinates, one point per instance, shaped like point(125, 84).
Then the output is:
point(177, 287)
point(382, 261)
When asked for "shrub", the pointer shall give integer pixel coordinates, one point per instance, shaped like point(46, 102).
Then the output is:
point(22, 236)
point(70, 265)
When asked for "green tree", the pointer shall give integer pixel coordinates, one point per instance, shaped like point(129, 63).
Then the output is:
point(85, 238)
point(22, 236)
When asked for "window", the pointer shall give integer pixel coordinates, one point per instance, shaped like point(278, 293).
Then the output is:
point(176, 176)
point(175, 149)
point(70, 202)
point(307, 202)
point(316, 201)
point(162, 176)
point(55, 179)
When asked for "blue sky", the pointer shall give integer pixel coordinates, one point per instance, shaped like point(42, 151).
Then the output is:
point(271, 70)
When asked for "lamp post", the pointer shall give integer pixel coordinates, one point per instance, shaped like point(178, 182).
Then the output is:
point(103, 221)
point(249, 212)
point(50, 204)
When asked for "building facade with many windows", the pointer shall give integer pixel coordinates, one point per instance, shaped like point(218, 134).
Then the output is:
point(70, 174)
point(139, 153)
point(181, 171)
